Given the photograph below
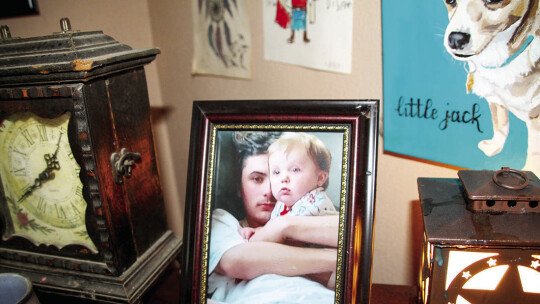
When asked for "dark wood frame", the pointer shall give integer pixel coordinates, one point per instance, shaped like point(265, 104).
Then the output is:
point(360, 117)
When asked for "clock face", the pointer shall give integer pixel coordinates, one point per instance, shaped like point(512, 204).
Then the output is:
point(40, 178)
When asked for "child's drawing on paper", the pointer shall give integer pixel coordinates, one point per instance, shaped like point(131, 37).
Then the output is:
point(294, 14)
point(321, 48)
point(221, 38)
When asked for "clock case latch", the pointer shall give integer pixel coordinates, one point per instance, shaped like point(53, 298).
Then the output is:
point(122, 164)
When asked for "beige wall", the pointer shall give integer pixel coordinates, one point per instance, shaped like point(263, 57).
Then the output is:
point(167, 24)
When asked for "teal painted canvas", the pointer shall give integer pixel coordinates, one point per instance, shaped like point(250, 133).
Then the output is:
point(428, 112)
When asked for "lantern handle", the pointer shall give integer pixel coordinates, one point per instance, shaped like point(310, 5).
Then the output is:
point(506, 170)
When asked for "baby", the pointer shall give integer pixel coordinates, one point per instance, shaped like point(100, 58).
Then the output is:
point(299, 166)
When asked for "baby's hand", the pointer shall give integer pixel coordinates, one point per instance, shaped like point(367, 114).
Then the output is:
point(246, 232)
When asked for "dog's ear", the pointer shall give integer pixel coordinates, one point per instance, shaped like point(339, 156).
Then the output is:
point(528, 26)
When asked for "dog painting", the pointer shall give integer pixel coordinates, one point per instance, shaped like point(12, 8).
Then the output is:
point(499, 41)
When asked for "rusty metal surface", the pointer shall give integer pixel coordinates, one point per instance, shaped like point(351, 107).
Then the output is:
point(479, 185)
point(506, 190)
point(447, 221)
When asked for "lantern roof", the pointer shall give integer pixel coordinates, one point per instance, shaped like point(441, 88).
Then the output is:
point(448, 222)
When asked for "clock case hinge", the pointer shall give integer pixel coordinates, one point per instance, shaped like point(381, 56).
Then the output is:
point(122, 164)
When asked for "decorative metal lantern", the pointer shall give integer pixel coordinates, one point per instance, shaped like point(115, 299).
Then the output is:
point(481, 238)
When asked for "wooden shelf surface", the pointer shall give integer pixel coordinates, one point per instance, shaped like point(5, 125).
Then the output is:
point(166, 291)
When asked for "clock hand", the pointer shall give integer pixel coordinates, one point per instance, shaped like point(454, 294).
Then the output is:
point(45, 175)
point(51, 160)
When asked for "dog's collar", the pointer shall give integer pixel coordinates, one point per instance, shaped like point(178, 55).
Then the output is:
point(515, 55)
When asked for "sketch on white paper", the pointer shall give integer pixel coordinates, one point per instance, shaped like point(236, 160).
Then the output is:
point(311, 33)
point(222, 43)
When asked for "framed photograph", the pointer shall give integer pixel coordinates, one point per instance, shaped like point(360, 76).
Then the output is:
point(280, 201)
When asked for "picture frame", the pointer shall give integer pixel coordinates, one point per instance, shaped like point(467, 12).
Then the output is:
point(352, 124)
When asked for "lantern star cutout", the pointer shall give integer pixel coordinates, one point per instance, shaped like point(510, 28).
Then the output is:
point(466, 274)
point(509, 287)
point(492, 262)
point(535, 264)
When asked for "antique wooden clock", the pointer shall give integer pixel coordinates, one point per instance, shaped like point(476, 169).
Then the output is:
point(81, 205)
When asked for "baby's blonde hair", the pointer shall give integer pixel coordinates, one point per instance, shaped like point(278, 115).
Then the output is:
point(320, 155)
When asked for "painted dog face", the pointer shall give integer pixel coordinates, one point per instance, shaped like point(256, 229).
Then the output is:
point(477, 27)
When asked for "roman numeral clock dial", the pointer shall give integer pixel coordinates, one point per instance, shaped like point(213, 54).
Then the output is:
point(41, 184)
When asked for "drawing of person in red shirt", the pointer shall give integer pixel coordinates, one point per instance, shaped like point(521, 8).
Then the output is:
point(294, 15)
point(298, 19)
